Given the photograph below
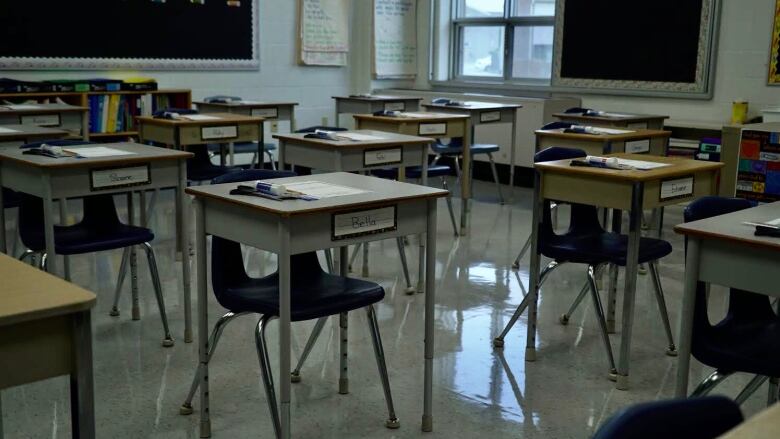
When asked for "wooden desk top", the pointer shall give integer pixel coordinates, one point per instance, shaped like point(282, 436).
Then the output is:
point(729, 227)
point(474, 106)
point(224, 118)
point(679, 167)
point(27, 131)
point(31, 294)
point(633, 135)
point(423, 117)
point(609, 116)
point(245, 104)
point(41, 109)
point(142, 153)
point(764, 425)
point(388, 139)
point(377, 98)
point(380, 192)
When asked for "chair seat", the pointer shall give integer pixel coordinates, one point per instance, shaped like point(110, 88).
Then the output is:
point(243, 147)
point(314, 296)
point(80, 238)
point(477, 148)
point(198, 171)
point(413, 172)
point(603, 247)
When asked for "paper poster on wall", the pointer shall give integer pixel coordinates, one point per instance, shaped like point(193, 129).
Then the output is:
point(323, 27)
point(395, 39)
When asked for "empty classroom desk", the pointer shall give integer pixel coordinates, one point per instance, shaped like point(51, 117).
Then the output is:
point(359, 104)
point(284, 111)
point(679, 181)
point(618, 120)
point(655, 142)
point(724, 251)
point(45, 332)
point(139, 168)
point(199, 129)
point(430, 125)
point(18, 135)
point(72, 118)
point(487, 113)
point(392, 209)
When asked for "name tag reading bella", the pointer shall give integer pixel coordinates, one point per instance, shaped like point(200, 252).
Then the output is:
point(41, 120)
point(433, 128)
point(638, 146)
point(268, 113)
point(676, 188)
point(395, 106)
point(223, 132)
point(120, 177)
point(363, 222)
point(374, 157)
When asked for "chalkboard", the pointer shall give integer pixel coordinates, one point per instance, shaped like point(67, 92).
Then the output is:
point(395, 39)
point(92, 34)
point(658, 45)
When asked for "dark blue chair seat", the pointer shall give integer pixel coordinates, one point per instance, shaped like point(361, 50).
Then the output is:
point(413, 172)
point(602, 247)
point(200, 168)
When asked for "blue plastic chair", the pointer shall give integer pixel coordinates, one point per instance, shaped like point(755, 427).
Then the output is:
point(99, 229)
point(315, 294)
point(697, 418)
point(748, 338)
point(586, 242)
point(454, 150)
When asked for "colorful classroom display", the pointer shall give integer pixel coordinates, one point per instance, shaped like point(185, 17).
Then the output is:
point(758, 176)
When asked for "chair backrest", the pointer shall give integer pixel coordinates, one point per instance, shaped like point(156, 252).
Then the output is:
point(556, 125)
point(319, 127)
point(695, 418)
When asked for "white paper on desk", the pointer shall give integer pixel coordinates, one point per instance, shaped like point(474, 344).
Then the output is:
point(199, 117)
point(642, 165)
point(22, 107)
point(97, 151)
point(4, 130)
point(359, 137)
point(617, 115)
point(601, 130)
point(415, 115)
point(323, 190)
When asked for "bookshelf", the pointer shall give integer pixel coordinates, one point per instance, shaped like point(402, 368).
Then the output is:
point(133, 103)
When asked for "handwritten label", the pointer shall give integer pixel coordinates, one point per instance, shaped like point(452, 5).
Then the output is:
point(433, 128)
point(120, 177)
point(268, 113)
point(489, 116)
point(223, 132)
point(363, 222)
point(395, 106)
point(676, 188)
point(43, 120)
point(374, 157)
point(638, 146)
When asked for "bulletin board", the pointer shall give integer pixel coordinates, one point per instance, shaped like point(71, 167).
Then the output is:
point(323, 32)
point(774, 54)
point(395, 39)
point(122, 34)
point(758, 174)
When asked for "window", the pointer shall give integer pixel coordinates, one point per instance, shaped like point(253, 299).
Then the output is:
point(503, 40)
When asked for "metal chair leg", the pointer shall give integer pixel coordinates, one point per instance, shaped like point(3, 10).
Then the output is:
point(373, 326)
point(295, 375)
point(168, 339)
point(402, 252)
point(27, 254)
point(254, 162)
point(271, 160)
point(216, 333)
point(120, 281)
point(265, 371)
point(329, 260)
point(659, 296)
point(564, 318)
point(602, 320)
point(42, 264)
point(710, 382)
point(495, 177)
point(448, 199)
point(353, 256)
point(343, 353)
point(523, 250)
point(750, 388)
point(772, 395)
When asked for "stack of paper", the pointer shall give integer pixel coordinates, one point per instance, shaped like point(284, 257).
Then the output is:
point(321, 190)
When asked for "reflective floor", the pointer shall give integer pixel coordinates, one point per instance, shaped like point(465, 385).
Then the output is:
point(478, 391)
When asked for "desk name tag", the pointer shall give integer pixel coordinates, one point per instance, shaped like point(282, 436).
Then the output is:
point(222, 132)
point(637, 126)
point(489, 116)
point(109, 178)
point(363, 222)
point(638, 146)
point(268, 113)
point(374, 157)
point(432, 128)
point(41, 120)
point(676, 188)
point(395, 106)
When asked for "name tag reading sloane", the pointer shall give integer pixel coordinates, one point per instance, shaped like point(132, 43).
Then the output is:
point(120, 177)
point(222, 132)
point(374, 157)
point(676, 188)
point(363, 222)
point(42, 120)
point(433, 128)
point(268, 113)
